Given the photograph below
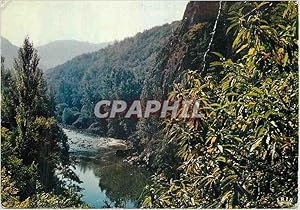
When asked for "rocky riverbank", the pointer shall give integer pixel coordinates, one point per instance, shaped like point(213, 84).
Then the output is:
point(80, 142)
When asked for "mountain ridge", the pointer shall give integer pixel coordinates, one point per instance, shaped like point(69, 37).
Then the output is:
point(53, 53)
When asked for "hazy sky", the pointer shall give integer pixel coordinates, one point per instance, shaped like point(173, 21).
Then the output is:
point(93, 21)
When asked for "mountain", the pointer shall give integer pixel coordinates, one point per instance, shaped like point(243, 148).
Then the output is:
point(115, 72)
point(59, 52)
point(8, 51)
point(52, 54)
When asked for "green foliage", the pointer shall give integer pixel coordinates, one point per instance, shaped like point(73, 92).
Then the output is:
point(115, 72)
point(10, 198)
point(33, 147)
point(68, 116)
point(8, 96)
point(9, 192)
point(243, 153)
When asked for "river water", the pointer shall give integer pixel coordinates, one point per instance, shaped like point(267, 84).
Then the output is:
point(107, 181)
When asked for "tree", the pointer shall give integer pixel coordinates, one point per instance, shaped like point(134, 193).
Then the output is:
point(243, 152)
point(34, 148)
point(9, 98)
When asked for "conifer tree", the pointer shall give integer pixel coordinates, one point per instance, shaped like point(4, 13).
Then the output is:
point(39, 140)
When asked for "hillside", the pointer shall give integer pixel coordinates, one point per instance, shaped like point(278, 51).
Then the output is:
point(184, 51)
point(58, 52)
point(8, 51)
point(116, 72)
point(51, 54)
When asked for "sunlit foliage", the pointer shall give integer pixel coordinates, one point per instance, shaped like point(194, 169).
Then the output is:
point(243, 153)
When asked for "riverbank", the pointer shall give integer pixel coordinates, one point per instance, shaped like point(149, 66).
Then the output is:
point(82, 142)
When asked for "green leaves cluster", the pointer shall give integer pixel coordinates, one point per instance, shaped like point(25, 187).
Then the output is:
point(243, 152)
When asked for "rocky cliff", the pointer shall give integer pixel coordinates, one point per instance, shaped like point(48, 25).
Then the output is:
point(184, 51)
point(200, 11)
point(186, 47)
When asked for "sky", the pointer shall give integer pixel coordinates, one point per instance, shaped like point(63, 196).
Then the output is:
point(84, 20)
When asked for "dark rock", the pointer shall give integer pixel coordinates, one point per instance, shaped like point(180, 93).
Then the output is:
point(200, 11)
point(123, 153)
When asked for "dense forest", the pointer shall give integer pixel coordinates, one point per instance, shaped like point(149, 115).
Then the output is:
point(238, 59)
point(116, 72)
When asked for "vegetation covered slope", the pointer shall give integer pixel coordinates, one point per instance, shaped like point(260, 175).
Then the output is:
point(116, 72)
point(185, 50)
point(243, 152)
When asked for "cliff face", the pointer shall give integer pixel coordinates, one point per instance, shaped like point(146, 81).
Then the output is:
point(200, 11)
point(184, 51)
point(185, 48)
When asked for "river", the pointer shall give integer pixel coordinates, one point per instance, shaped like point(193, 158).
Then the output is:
point(107, 181)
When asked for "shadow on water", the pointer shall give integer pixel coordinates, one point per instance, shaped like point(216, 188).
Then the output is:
point(108, 181)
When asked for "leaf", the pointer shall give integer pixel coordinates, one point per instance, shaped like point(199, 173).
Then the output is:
point(261, 132)
point(216, 63)
point(274, 124)
point(261, 4)
point(218, 54)
point(244, 127)
point(237, 39)
point(285, 59)
point(215, 105)
point(265, 27)
point(213, 140)
point(229, 179)
point(251, 104)
point(255, 145)
point(267, 114)
point(228, 62)
point(221, 159)
point(225, 85)
point(256, 89)
point(231, 27)
point(241, 48)
point(238, 139)
point(220, 148)
point(251, 51)
point(225, 197)
point(252, 94)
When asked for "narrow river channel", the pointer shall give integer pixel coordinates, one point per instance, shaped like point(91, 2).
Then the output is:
point(107, 181)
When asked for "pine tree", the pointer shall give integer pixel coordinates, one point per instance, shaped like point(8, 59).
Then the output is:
point(39, 140)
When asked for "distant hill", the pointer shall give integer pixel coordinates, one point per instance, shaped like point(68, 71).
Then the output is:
point(9, 51)
point(52, 54)
point(58, 52)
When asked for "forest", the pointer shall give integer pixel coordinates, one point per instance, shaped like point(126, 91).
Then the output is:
point(238, 59)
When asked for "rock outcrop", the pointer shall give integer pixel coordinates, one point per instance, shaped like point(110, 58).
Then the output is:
point(184, 51)
point(200, 11)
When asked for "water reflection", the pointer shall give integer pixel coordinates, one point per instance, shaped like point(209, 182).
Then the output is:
point(109, 182)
